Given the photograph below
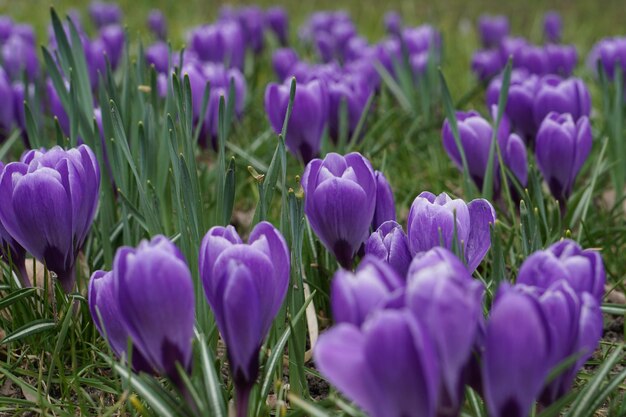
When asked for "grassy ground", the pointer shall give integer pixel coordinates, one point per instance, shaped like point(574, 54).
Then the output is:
point(65, 364)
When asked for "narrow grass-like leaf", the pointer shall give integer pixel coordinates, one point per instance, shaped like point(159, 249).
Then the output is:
point(212, 384)
point(16, 296)
point(34, 327)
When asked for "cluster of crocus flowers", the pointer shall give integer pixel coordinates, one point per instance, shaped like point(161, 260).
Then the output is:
point(48, 201)
point(407, 345)
point(148, 298)
point(551, 58)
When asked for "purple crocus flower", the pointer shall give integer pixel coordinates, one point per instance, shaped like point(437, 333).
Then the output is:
point(390, 244)
point(393, 23)
point(354, 296)
point(552, 27)
point(277, 21)
point(7, 113)
point(514, 370)
point(103, 14)
point(252, 21)
point(339, 202)
point(565, 260)
point(26, 32)
point(19, 55)
point(308, 117)
point(532, 58)
point(113, 38)
point(562, 59)
point(158, 54)
point(514, 156)
point(67, 182)
point(106, 315)
point(6, 28)
point(562, 147)
point(155, 295)
point(610, 53)
point(554, 94)
point(13, 253)
point(352, 91)
point(388, 367)
point(283, 60)
point(245, 285)
point(492, 30)
point(157, 23)
point(487, 63)
point(445, 297)
point(222, 42)
point(385, 206)
point(434, 220)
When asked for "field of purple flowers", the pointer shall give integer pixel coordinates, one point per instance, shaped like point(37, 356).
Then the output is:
point(310, 210)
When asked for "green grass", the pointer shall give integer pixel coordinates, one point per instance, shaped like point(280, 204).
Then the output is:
point(57, 366)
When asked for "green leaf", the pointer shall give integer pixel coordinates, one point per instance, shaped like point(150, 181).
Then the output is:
point(16, 295)
point(212, 384)
point(34, 327)
point(310, 409)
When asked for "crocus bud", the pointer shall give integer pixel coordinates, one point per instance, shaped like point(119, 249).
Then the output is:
point(276, 19)
point(355, 296)
point(19, 55)
point(155, 295)
point(554, 94)
point(514, 156)
point(492, 30)
point(515, 319)
point(103, 14)
point(308, 117)
point(552, 27)
point(445, 297)
point(393, 23)
point(476, 136)
point(339, 202)
point(158, 54)
point(434, 221)
point(48, 204)
point(157, 23)
point(245, 285)
point(562, 147)
point(565, 260)
point(389, 367)
point(486, 63)
point(385, 206)
point(354, 93)
point(610, 53)
point(113, 39)
point(390, 244)
point(283, 60)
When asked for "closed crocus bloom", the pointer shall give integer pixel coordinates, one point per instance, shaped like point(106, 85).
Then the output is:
point(354, 93)
point(492, 30)
point(222, 42)
point(113, 39)
point(390, 244)
point(339, 202)
point(476, 136)
point(393, 23)
point(18, 56)
point(6, 28)
point(514, 370)
point(562, 146)
point(562, 59)
point(276, 19)
point(354, 296)
point(388, 367)
point(486, 63)
point(552, 27)
point(283, 60)
point(532, 58)
point(252, 21)
point(561, 96)
point(157, 23)
point(308, 117)
point(610, 53)
point(519, 106)
point(443, 295)
point(245, 285)
point(385, 206)
point(155, 296)
point(583, 269)
point(158, 54)
point(103, 14)
point(68, 182)
point(433, 221)
point(514, 156)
